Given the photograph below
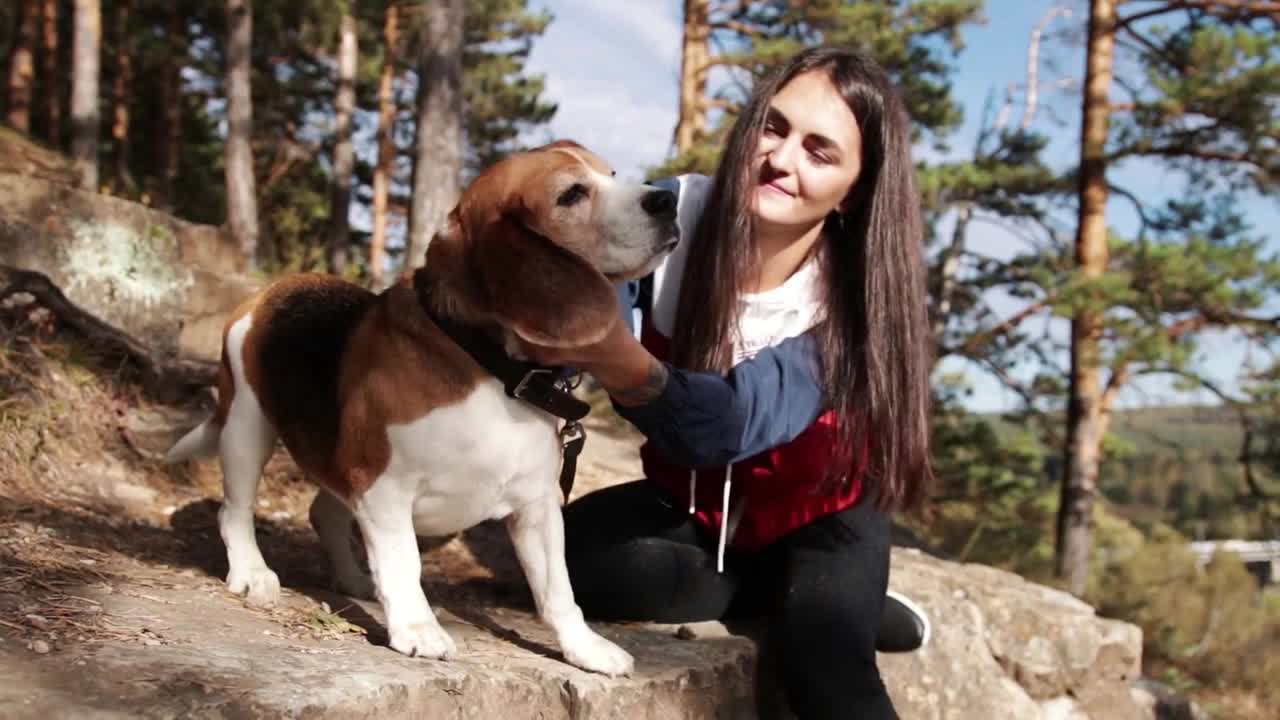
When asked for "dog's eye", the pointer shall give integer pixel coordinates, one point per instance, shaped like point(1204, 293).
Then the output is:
point(571, 196)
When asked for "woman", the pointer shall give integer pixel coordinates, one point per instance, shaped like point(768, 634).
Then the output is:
point(781, 380)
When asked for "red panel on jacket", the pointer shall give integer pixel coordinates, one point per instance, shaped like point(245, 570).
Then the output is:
point(778, 486)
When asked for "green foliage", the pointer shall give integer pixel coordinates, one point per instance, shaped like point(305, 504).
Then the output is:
point(1009, 179)
point(990, 506)
point(294, 215)
point(502, 99)
point(702, 158)
point(1210, 95)
point(1209, 624)
point(1198, 95)
point(294, 81)
point(915, 41)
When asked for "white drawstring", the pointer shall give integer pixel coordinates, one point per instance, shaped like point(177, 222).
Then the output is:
point(724, 517)
point(724, 510)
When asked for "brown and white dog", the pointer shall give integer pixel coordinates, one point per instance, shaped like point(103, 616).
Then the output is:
point(397, 423)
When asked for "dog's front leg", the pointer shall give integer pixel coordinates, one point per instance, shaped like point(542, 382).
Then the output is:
point(385, 516)
point(537, 531)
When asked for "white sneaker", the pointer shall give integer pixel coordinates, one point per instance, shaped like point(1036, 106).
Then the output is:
point(904, 626)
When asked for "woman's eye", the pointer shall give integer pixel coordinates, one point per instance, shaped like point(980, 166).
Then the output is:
point(576, 192)
point(819, 158)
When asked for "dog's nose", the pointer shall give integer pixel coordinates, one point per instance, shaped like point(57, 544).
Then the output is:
point(660, 203)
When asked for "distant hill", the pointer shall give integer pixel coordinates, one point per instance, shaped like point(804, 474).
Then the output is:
point(1179, 465)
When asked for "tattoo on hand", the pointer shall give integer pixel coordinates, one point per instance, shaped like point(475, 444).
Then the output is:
point(649, 390)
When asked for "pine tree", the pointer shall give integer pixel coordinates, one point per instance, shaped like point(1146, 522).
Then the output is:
point(86, 60)
point(437, 164)
point(1086, 412)
point(21, 67)
point(242, 201)
point(121, 94)
point(50, 75)
point(1205, 109)
point(695, 66)
point(343, 152)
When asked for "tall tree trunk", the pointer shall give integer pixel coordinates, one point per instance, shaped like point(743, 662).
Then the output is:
point(171, 99)
point(52, 78)
point(343, 153)
point(242, 204)
point(437, 163)
point(386, 147)
point(121, 89)
point(86, 49)
point(694, 56)
point(1086, 412)
point(22, 68)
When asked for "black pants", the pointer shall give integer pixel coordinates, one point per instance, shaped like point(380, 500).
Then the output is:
point(633, 554)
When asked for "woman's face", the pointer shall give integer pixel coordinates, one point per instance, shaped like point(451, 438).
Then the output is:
point(809, 155)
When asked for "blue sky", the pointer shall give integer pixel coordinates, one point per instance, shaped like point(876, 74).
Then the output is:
point(613, 68)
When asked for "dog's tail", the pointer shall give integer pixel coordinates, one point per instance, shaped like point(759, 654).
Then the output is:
point(202, 441)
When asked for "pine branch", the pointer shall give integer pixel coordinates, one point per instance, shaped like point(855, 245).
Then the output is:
point(723, 60)
point(1024, 391)
point(1222, 318)
point(947, 268)
point(1138, 207)
point(718, 103)
point(1247, 9)
point(1242, 158)
point(1120, 374)
point(1033, 63)
point(977, 340)
point(1235, 319)
point(737, 26)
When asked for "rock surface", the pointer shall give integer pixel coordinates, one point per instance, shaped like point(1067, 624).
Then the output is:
point(204, 655)
point(1003, 647)
point(167, 282)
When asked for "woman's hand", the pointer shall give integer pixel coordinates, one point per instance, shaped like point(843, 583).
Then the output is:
point(617, 361)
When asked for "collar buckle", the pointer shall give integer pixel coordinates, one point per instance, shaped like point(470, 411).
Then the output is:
point(523, 386)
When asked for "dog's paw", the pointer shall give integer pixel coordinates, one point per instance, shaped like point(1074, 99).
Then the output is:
point(259, 585)
point(356, 585)
point(591, 652)
point(424, 639)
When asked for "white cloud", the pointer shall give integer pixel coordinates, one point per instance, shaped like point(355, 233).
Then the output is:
point(654, 26)
point(630, 134)
point(612, 69)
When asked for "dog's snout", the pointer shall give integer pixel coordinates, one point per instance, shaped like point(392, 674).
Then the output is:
point(660, 203)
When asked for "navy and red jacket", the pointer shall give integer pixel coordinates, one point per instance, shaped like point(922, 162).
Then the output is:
point(766, 424)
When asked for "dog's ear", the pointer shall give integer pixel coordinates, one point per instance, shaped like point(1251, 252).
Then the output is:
point(545, 293)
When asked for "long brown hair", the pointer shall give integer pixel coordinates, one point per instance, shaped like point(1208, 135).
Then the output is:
point(873, 340)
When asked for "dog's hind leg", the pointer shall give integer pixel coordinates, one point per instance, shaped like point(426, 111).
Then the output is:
point(332, 521)
point(244, 446)
point(537, 531)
